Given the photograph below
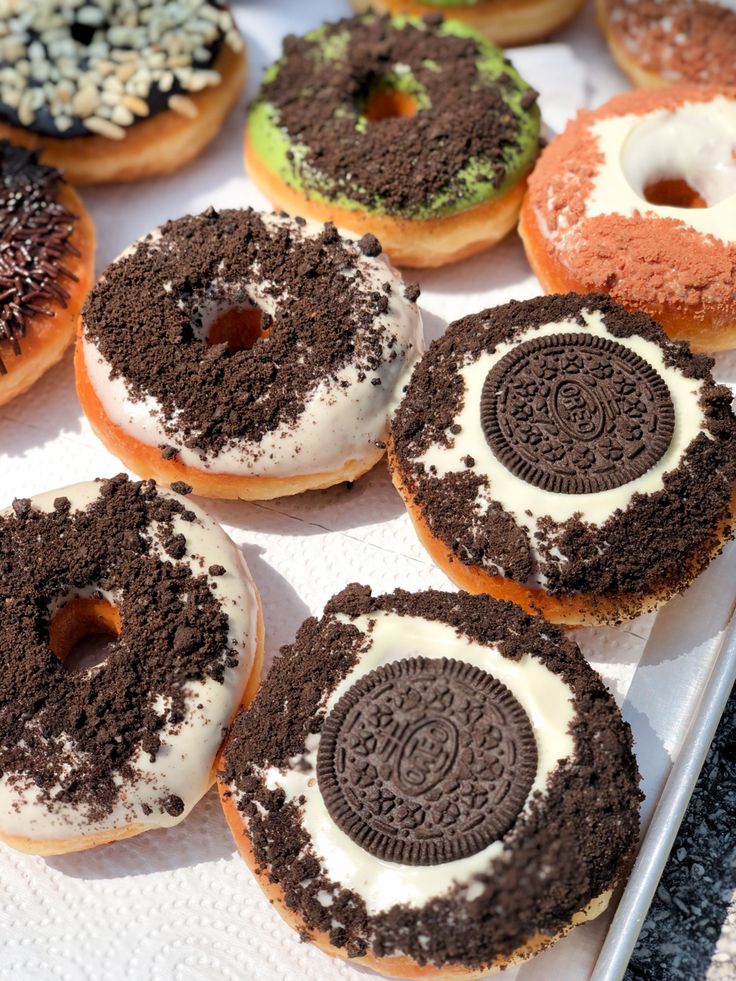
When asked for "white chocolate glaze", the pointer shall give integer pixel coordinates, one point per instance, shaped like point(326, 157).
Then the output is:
point(695, 143)
point(528, 503)
point(389, 637)
point(183, 765)
point(342, 418)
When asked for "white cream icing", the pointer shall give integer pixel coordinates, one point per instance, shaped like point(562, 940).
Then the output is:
point(547, 700)
point(695, 142)
point(183, 765)
point(527, 503)
point(343, 417)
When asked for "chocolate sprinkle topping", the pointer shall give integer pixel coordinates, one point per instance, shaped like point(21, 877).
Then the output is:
point(34, 237)
point(146, 317)
point(653, 547)
point(426, 761)
point(576, 413)
point(465, 114)
point(568, 847)
point(174, 632)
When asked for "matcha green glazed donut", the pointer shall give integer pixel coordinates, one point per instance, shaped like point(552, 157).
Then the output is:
point(505, 22)
point(418, 131)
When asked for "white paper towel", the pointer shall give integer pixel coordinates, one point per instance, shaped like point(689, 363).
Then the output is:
point(179, 904)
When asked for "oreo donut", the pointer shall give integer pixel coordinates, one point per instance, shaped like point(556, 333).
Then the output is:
point(638, 199)
point(92, 751)
point(423, 134)
point(432, 784)
point(117, 91)
point(664, 42)
point(576, 462)
point(250, 355)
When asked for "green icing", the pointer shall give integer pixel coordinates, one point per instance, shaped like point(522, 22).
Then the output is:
point(473, 185)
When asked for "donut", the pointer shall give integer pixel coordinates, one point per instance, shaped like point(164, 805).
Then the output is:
point(47, 245)
point(95, 752)
point(117, 91)
point(506, 22)
point(249, 355)
point(562, 453)
point(638, 199)
point(432, 784)
point(422, 134)
point(661, 42)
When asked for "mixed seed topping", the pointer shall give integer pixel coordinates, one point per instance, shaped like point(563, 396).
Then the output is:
point(80, 67)
point(34, 238)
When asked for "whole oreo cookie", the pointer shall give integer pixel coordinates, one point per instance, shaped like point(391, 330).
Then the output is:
point(432, 779)
point(426, 760)
point(576, 413)
point(576, 461)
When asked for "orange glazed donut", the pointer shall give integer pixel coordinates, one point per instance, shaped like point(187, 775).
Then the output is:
point(505, 22)
point(564, 454)
point(433, 785)
point(118, 91)
point(665, 42)
point(94, 752)
point(251, 355)
point(638, 199)
point(47, 244)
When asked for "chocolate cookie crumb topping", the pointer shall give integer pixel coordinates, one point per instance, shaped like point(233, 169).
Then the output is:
point(466, 126)
point(34, 237)
point(426, 761)
point(327, 315)
point(653, 546)
point(576, 413)
point(570, 845)
point(173, 632)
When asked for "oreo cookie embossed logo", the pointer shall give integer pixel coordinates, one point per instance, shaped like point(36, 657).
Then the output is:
point(576, 413)
point(424, 761)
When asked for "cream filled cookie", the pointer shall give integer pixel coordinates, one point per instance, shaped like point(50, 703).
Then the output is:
point(423, 134)
point(47, 258)
point(451, 791)
point(576, 461)
point(94, 752)
point(117, 91)
point(665, 42)
point(638, 199)
point(250, 355)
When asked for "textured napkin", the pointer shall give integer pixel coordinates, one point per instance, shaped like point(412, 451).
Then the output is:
point(179, 904)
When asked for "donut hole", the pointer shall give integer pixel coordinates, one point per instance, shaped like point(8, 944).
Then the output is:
point(673, 192)
point(386, 102)
point(239, 328)
point(83, 631)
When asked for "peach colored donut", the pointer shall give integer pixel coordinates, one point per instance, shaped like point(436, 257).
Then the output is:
point(589, 221)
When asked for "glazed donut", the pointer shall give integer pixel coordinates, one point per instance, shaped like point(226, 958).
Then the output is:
point(47, 251)
point(638, 199)
point(250, 355)
point(451, 792)
point(506, 22)
point(661, 42)
point(94, 753)
point(576, 462)
point(423, 135)
point(117, 91)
